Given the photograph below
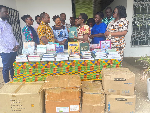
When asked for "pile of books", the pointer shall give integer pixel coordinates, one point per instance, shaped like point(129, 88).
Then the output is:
point(99, 54)
point(62, 56)
point(86, 55)
point(49, 57)
point(21, 58)
point(113, 54)
point(34, 58)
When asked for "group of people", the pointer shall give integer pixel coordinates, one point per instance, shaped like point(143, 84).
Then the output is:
point(113, 27)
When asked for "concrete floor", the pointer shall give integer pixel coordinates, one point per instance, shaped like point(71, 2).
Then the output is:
point(142, 102)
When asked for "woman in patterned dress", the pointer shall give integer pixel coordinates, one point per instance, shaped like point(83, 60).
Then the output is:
point(117, 29)
point(83, 30)
point(28, 31)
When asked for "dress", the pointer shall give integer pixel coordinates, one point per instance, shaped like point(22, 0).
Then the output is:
point(85, 29)
point(118, 43)
point(96, 29)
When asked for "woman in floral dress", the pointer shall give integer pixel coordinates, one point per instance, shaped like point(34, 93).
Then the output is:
point(83, 29)
point(117, 29)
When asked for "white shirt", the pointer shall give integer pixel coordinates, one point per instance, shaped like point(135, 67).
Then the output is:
point(7, 38)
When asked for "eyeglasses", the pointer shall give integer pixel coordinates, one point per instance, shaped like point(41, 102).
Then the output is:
point(31, 20)
point(115, 12)
point(79, 18)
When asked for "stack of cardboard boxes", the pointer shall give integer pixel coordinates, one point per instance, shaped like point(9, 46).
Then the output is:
point(118, 85)
point(62, 94)
point(93, 98)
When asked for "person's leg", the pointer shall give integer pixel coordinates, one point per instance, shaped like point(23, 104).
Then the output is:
point(13, 57)
point(6, 66)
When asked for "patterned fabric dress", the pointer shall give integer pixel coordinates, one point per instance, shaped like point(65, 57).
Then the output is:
point(85, 29)
point(45, 30)
point(118, 43)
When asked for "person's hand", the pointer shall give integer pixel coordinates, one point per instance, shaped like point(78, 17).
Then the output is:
point(75, 37)
point(91, 36)
point(16, 48)
point(44, 39)
point(106, 33)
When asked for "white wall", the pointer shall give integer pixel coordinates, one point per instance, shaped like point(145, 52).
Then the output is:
point(11, 4)
point(36, 7)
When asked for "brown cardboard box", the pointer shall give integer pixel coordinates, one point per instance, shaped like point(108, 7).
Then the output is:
point(120, 104)
point(63, 100)
point(63, 81)
point(62, 94)
point(118, 81)
point(93, 100)
point(22, 98)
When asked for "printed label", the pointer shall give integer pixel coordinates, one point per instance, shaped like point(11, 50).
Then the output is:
point(62, 109)
point(74, 107)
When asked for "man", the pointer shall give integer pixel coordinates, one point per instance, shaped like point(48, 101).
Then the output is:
point(44, 30)
point(38, 20)
point(8, 45)
point(72, 21)
point(63, 19)
point(109, 16)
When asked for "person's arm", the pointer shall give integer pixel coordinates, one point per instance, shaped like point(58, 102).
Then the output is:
point(85, 37)
point(97, 35)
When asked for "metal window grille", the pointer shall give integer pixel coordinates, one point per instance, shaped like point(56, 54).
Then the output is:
point(141, 23)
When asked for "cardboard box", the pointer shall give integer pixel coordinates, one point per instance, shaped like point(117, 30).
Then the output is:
point(22, 98)
point(63, 94)
point(93, 100)
point(63, 81)
point(118, 81)
point(63, 100)
point(120, 104)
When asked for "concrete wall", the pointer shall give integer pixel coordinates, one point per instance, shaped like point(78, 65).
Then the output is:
point(52, 7)
point(11, 4)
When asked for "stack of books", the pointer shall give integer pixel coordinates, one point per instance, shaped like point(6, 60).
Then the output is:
point(86, 55)
point(99, 54)
point(48, 57)
point(74, 57)
point(113, 54)
point(34, 58)
point(62, 56)
point(21, 58)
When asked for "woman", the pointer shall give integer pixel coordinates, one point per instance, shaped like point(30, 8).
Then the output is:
point(60, 32)
point(98, 30)
point(117, 29)
point(28, 31)
point(83, 29)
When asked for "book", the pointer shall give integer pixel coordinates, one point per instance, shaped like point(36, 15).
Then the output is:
point(73, 48)
point(51, 48)
point(72, 32)
point(28, 48)
point(84, 47)
point(41, 49)
point(105, 44)
point(60, 49)
point(57, 44)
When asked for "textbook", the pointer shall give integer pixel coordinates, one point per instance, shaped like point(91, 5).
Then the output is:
point(73, 48)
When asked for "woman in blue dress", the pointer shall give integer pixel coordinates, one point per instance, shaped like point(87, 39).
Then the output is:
point(98, 30)
point(60, 32)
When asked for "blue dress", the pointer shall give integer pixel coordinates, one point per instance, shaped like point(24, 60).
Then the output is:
point(96, 29)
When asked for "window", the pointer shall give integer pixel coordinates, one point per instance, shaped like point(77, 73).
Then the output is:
point(141, 23)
